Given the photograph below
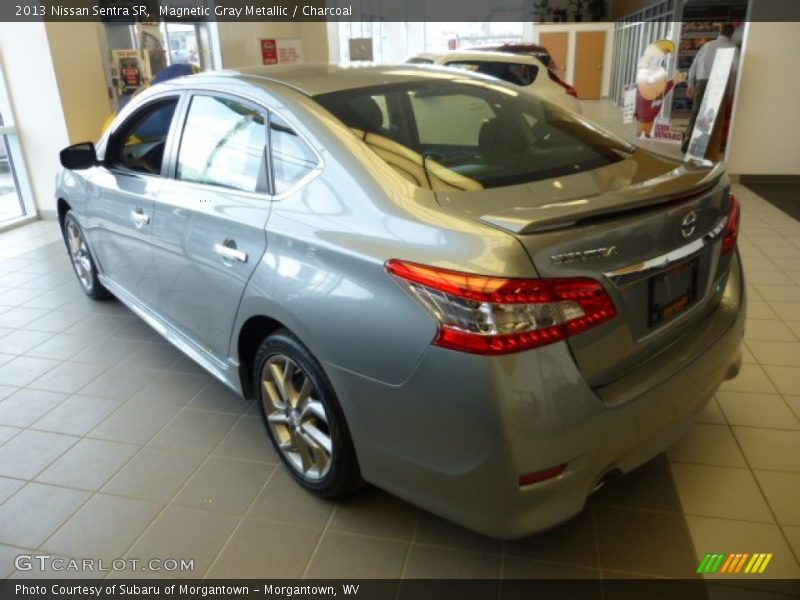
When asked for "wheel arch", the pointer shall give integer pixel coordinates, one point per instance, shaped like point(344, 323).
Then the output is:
point(253, 331)
point(62, 207)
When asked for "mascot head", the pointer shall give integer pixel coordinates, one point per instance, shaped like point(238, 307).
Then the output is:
point(651, 76)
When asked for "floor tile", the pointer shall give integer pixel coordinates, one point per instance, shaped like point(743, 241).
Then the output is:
point(8, 487)
point(24, 369)
point(376, 513)
point(272, 550)
point(786, 379)
point(107, 351)
point(60, 346)
point(650, 486)
point(783, 494)
point(77, 415)
point(217, 397)
point(30, 452)
point(6, 433)
point(435, 531)
point(358, 557)
point(757, 410)
point(759, 309)
point(644, 542)
point(248, 440)
point(793, 533)
point(104, 528)
point(21, 316)
point(57, 321)
point(770, 449)
point(784, 310)
point(35, 512)
point(711, 414)
point(723, 535)
point(284, 501)
point(7, 556)
point(752, 378)
point(134, 422)
point(22, 340)
point(194, 430)
point(769, 330)
point(119, 383)
point(720, 492)
point(171, 388)
point(159, 356)
point(88, 464)
point(6, 391)
point(426, 562)
point(784, 354)
point(225, 485)
point(27, 406)
point(710, 445)
point(571, 543)
point(794, 404)
point(68, 377)
point(184, 533)
point(96, 325)
point(154, 474)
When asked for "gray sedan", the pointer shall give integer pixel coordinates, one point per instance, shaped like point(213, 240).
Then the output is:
point(431, 282)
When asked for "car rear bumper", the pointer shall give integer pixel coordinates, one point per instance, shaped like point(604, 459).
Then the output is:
point(455, 437)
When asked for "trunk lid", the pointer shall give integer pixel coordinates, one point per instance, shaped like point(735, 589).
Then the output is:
point(648, 228)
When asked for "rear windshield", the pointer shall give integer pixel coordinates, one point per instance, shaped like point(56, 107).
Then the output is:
point(516, 73)
point(471, 135)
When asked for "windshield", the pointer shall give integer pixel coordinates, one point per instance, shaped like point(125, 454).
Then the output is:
point(470, 135)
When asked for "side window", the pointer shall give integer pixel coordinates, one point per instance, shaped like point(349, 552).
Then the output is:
point(292, 159)
point(139, 145)
point(516, 73)
point(223, 144)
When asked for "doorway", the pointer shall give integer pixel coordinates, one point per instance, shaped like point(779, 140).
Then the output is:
point(16, 200)
point(589, 55)
point(557, 44)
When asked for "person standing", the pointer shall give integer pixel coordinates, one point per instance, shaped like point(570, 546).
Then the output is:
point(701, 70)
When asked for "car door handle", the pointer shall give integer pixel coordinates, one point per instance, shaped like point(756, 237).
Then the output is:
point(230, 252)
point(139, 218)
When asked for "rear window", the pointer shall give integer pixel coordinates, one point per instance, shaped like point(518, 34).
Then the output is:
point(471, 135)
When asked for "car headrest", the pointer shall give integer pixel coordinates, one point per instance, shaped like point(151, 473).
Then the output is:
point(365, 114)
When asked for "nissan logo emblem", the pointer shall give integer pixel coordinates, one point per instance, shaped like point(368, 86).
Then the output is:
point(688, 224)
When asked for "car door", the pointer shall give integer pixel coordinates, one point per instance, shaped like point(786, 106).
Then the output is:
point(119, 212)
point(210, 217)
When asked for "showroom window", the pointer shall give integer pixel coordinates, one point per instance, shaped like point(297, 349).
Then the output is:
point(141, 143)
point(223, 144)
point(16, 199)
point(292, 158)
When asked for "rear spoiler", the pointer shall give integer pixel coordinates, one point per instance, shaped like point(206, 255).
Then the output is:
point(681, 183)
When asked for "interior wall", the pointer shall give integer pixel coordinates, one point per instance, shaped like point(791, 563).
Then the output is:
point(765, 133)
point(33, 87)
point(76, 53)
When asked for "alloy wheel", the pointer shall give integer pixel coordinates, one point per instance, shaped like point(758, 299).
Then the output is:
point(296, 417)
point(79, 254)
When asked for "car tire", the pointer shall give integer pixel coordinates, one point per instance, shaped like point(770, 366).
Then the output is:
point(82, 260)
point(303, 418)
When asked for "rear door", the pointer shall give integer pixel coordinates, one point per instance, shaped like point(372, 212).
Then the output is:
point(210, 217)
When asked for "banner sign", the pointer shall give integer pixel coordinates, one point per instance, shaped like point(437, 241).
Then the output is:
point(708, 113)
point(281, 51)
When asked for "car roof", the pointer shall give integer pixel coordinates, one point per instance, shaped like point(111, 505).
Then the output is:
point(483, 56)
point(313, 79)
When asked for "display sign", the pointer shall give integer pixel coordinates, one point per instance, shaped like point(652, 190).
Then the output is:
point(628, 104)
point(663, 132)
point(130, 70)
point(653, 86)
point(707, 115)
point(361, 49)
point(281, 51)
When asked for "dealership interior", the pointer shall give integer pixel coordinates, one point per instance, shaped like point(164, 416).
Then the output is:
point(114, 444)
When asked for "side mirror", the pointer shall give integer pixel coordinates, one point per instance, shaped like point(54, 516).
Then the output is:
point(79, 156)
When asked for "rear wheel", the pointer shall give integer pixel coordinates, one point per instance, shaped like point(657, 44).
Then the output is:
point(82, 261)
point(304, 419)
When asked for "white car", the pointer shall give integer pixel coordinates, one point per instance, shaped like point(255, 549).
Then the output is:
point(523, 70)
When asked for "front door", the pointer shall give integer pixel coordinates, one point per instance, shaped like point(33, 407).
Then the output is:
point(589, 55)
point(209, 230)
point(121, 199)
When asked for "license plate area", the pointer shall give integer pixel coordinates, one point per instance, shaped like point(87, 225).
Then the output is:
point(672, 292)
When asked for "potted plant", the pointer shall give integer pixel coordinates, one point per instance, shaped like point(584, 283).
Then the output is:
point(542, 9)
point(597, 9)
point(577, 7)
point(560, 15)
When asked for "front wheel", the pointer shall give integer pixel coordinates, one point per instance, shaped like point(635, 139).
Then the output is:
point(82, 261)
point(304, 419)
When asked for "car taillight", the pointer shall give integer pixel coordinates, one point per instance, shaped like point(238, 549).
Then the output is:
point(732, 228)
point(495, 315)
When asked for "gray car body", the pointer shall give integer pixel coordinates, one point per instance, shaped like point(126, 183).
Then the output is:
point(449, 431)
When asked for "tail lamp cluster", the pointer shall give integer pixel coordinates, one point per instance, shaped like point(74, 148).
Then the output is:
point(732, 227)
point(495, 315)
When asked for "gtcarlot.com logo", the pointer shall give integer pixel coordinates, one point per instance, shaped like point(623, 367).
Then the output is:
point(731, 564)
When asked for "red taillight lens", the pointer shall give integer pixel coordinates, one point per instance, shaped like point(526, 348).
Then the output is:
point(732, 228)
point(496, 315)
point(531, 478)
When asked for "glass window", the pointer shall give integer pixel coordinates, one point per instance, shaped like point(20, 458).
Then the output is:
point(516, 73)
point(223, 144)
point(292, 159)
point(467, 136)
point(140, 143)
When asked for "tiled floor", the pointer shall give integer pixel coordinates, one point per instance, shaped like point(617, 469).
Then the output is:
point(112, 444)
